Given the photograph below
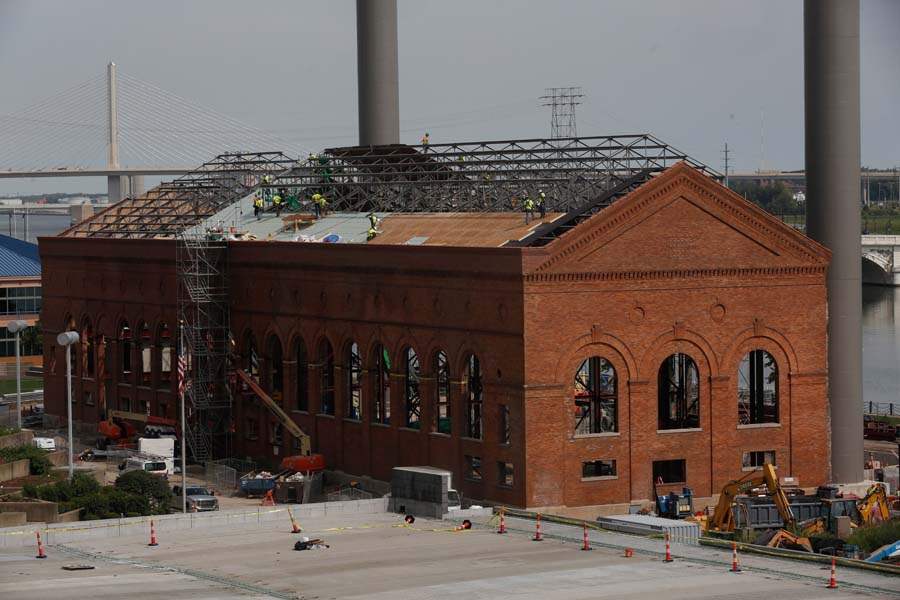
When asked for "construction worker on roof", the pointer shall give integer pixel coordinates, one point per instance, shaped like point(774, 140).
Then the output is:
point(267, 179)
point(425, 140)
point(542, 208)
point(257, 206)
point(528, 204)
point(319, 203)
point(373, 220)
point(276, 202)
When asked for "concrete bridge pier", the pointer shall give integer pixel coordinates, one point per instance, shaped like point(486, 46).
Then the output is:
point(881, 259)
point(115, 188)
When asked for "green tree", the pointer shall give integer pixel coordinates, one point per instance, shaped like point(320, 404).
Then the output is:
point(152, 487)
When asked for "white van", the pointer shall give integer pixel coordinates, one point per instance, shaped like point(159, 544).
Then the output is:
point(45, 443)
point(157, 466)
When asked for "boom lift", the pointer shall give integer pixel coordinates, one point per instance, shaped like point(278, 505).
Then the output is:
point(723, 517)
point(283, 418)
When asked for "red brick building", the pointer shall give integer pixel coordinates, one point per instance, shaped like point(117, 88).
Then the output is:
point(678, 334)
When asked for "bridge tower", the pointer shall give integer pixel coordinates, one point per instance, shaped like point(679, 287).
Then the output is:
point(831, 78)
point(117, 186)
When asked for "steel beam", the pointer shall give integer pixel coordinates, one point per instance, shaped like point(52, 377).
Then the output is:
point(831, 66)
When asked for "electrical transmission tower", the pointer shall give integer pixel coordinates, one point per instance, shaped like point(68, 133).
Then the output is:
point(562, 102)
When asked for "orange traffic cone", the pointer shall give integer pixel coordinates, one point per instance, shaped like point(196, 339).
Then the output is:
point(152, 534)
point(832, 581)
point(629, 552)
point(668, 557)
point(586, 543)
point(735, 567)
point(294, 527)
point(40, 544)
point(502, 528)
point(537, 530)
point(268, 499)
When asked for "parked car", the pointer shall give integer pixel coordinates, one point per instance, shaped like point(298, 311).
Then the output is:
point(157, 466)
point(199, 499)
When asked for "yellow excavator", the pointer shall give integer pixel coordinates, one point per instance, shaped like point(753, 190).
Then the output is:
point(874, 507)
point(723, 517)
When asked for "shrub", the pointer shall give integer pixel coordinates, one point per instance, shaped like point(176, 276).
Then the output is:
point(108, 503)
point(40, 464)
point(8, 430)
point(152, 487)
point(873, 537)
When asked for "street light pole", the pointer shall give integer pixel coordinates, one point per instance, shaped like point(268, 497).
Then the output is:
point(17, 327)
point(67, 339)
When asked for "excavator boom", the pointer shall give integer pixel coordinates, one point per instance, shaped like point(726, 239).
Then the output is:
point(723, 517)
point(282, 417)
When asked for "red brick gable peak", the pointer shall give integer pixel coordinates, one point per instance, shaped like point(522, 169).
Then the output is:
point(682, 180)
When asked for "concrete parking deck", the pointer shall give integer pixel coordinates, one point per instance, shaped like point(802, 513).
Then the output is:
point(375, 556)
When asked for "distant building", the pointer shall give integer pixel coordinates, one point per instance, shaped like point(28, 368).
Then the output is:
point(20, 298)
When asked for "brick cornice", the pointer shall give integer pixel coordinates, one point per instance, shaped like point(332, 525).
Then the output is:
point(574, 277)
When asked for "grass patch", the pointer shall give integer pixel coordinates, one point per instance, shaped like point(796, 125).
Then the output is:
point(873, 537)
point(8, 430)
point(29, 384)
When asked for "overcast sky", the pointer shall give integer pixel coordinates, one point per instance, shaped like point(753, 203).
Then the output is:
point(695, 73)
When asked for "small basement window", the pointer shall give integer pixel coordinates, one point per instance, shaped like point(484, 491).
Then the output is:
point(756, 459)
point(473, 468)
point(598, 468)
point(669, 471)
point(505, 474)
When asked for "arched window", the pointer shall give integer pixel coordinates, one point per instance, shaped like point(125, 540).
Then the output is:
point(146, 354)
point(596, 397)
point(381, 385)
point(411, 387)
point(758, 388)
point(474, 397)
point(164, 343)
point(353, 373)
point(326, 378)
point(302, 375)
point(441, 421)
point(679, 393)
point(275, 366)
point(251, 356)
point(125, 348)
point(87, 345)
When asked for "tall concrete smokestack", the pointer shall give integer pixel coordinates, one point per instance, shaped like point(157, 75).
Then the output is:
point(831, 66)
point(377, 72)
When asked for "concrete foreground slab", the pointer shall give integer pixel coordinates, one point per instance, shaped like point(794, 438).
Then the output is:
point(375, 556)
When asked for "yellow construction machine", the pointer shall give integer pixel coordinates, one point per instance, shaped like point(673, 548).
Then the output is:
point(874, 507)
point(723, 517)
point(785, 539)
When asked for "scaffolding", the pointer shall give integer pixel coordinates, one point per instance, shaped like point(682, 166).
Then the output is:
point(201, 263)
point(479, 176)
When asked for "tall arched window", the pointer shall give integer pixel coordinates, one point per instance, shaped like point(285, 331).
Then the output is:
point(87, 344)
point(412, 398)
point(302, 375)
point(758, 388)
point(596, 397)
point(146, 343)
point(164, 343)
point(251, 356)
point(125, 348)
point(326, 378)
point(381, 385)
point(474, 397)
point(353, 373)
point(275, 366)
point(679, 393)
point(441, 421)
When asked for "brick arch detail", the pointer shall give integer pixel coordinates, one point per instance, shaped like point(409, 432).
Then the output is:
point(769, 339)
point(586, 346)
point(668, 343)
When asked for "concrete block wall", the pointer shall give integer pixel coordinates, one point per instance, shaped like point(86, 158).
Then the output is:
point(14, 469)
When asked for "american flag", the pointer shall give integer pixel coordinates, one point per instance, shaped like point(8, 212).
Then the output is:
point(182, 369)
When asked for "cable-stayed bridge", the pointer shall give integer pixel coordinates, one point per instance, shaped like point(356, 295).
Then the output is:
point(117, 126)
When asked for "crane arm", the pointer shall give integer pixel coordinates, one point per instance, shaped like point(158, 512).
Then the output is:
point(723, 517)
point(283, 418)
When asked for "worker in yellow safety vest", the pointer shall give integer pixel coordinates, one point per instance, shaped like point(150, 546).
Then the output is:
point(257, 206)
point(542, 207)
point(373, 226)
point(425, 140)
point(276, 202)
point(319, 203)
point(529, 209)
